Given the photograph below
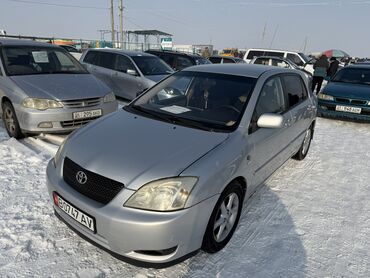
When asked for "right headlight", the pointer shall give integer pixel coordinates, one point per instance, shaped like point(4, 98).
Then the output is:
point(41, 103)
point(163, 195)
point(325, 97)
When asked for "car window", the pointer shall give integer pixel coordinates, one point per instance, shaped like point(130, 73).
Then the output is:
point(151, 65)
point(295, 59)
point(215, 60)
point(274, 54)
point(353, 75)
point(270, 100)
point(183, 62)
point(254, 53)
point(262, 61)
point(201, 61)
point(29, 60)
point(202, 100)
point(123, 64)
point(294, 89)
point(106, 60)
point(228, 61)
point(279, 63)
point(91, 58)
point(169, 59)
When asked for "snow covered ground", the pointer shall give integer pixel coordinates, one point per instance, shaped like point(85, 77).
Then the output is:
point(310, 219)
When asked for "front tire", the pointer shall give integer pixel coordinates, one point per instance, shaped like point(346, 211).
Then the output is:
point(224, 218)
point(303, 150)
point(11, 122)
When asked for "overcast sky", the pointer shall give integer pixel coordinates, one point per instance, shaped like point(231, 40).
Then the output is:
point(340, 24)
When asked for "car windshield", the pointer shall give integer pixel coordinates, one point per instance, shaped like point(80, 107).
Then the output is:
point(208, 101)
point(304, 57)
point(151, 65)
point(29, 60)
point(202, 61)
point(353, 75)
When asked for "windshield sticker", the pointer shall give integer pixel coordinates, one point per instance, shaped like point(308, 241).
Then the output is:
point(40, 56)
point(174, 109)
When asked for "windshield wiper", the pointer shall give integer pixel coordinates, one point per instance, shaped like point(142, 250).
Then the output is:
point(190, 123)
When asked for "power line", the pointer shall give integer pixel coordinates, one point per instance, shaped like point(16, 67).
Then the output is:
point(58, 5)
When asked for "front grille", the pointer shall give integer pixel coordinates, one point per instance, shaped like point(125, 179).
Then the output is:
point(351, 101)
point(97, 187)
point(77, 123)
point(81, 103)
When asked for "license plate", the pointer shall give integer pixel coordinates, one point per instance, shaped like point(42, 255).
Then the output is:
point(349, 109)
point(87, 114)
point(75, 213)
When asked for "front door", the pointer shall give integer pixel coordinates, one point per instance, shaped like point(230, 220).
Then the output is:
point(270, 145)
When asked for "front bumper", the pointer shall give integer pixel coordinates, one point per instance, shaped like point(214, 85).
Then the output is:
point(327, 109)
point(136, 235)
point(61, 119)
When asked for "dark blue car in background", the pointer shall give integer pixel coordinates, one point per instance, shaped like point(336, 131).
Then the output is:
point(347, 95)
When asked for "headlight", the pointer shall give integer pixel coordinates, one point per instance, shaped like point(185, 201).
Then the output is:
point(163, 195)
point(110, 97)
point(41, 103)
point(56, 159)
point(325, 97)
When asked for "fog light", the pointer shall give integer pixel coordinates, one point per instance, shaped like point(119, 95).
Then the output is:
point(45, 125)
point(56, 199)
point(323, 107)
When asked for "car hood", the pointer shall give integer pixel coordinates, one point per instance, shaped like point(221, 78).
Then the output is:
point(61, 86)
point(347, 90)
point(135, 150)
point(156, 78)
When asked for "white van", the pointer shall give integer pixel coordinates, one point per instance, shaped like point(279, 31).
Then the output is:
point(298, 58)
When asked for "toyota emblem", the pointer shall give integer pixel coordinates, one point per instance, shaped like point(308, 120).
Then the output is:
point(81, 177)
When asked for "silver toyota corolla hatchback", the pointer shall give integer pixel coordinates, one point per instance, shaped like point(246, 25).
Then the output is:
point(44, 89)
point(165, 177)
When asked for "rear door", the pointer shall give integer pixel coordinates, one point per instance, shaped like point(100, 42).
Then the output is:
point(299, 105)
point(101, 65)
point(270, 145)
point(127, 85)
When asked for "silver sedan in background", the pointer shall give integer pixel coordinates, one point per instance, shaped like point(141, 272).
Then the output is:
point(165, 177)
point(44, 89)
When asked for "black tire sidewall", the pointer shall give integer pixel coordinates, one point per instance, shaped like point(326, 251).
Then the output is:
point(17, 133)
point(300, 155)
point(209, 244)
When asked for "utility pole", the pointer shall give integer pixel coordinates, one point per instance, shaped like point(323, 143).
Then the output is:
point(112, 20)
point(263, 34)
point(120, 7)
point(273, 38)
point(305, 45)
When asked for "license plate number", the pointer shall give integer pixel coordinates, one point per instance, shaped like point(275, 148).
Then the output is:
point(76, 214)
point(87, 114)
point(349, 109)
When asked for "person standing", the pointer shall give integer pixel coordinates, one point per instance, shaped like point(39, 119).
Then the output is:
point(333, 68)
point(320, 71)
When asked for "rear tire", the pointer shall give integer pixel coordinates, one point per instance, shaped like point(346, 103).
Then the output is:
point(224, 218)
point(10, 121)
point(303, 150)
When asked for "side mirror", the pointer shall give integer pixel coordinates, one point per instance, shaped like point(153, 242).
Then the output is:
point(132, 72)
point(270, 120)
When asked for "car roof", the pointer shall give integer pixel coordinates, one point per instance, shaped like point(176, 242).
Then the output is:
point(247, 70)
point(226, 57)
point(358, 66)
point(174, 52)
point(120, 51)
point(18, 42)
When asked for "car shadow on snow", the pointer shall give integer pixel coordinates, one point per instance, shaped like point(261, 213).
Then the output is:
point(265, 244)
